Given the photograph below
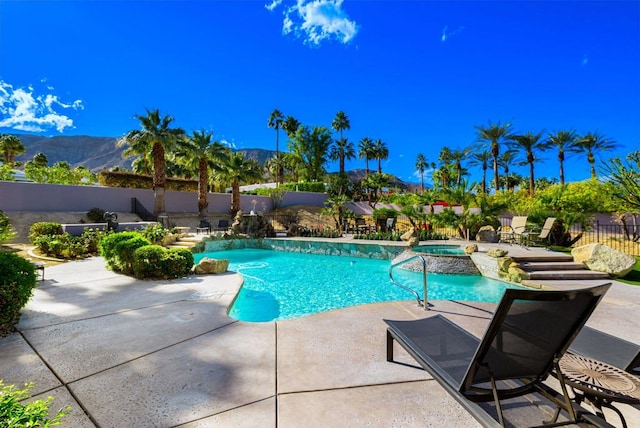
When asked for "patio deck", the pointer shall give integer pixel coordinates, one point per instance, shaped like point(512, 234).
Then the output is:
point(124, 352)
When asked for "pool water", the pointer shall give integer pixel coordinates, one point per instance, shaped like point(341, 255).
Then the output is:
point(282, 285)
point(442, 250)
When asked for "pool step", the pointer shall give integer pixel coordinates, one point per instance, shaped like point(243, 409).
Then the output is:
point(550, 265)
point(558, 267)
point(550, 257)
point(559, 275)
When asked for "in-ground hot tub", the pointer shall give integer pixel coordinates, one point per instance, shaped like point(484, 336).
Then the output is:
point(439, 258)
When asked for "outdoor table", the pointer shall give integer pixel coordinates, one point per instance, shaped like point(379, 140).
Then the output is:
point(600, 384)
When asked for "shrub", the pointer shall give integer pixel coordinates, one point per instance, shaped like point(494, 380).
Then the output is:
point(118, 249)
point(91, 239)
point(44, 228)
point(65, 245)
point(96, 215)
point(13, 413)
point(17, 280)
point(154, 261)
point(155, 233)
point(6, 232)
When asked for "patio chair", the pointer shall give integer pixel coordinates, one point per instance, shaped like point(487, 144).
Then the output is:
point(390, 224)
point(541, 236)
point(223, 224)
point(204, 226)
point(528, 334)
point(513, 232)
point(362, 226)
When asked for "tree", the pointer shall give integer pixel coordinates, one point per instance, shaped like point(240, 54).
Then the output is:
point(40, 160)
point(311, 147)
point(340, 150)
point(341, 123)
point(156, 137)
point(421, 167)
point(374, 185)
point(482, 159)
point(507, 158)
point(10, 147)
point(275, 120)
point(625, 175)
point(528, 144)
point(290, 126)
point(203, 154)
point(380, 152)
point(591, 143)
point(563, 141)
point(365, 151)
point(457, 156)
point(494, 134)
point(236, 170)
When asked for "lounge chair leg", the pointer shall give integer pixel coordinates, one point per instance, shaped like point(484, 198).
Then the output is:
point(565, 394)
point(389, 346)
point(496, 398)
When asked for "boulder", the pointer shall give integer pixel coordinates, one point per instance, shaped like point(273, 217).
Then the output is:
point(601, 258)
point(469, 249)
point(410, 237)
point(504, 263)
point(497, 253)
point(516, 274)
point(487, 234)
point(209, 266)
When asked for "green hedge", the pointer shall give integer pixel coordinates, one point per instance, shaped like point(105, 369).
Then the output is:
point(138, 181)
point(44, 228)
point(17, 281)
point(304, 187)
point(154, 261)
point(118, 250)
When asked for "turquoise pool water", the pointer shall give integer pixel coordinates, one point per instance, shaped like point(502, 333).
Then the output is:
point(447, 250)
point(282, 285)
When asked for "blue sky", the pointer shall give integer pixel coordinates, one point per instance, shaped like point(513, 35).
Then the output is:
point(417, 74)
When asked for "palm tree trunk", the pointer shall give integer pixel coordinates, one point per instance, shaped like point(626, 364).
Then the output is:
point(203, 179)
point(235, 197)
point(159, 179)
point(531, 179)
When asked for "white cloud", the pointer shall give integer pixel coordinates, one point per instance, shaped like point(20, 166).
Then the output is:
point(446, 34)
point(275, 3)
point(317, 20)
point(23, 110)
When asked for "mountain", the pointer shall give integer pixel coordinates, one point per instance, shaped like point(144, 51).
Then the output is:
point(98, 153)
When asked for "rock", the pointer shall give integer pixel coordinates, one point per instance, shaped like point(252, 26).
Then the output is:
point(601, 258)
point(516, 274)
point(209, 266)
point(470, 249)
point(487, 234)
point(504, 263)
point(410, 237)
point(496, 253)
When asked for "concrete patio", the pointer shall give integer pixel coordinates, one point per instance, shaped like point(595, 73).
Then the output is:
point(124, 353)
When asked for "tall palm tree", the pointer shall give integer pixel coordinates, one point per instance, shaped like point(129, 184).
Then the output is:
point(40, 160)
point(10, 147)
point(494, 134)
point(591, 143)
point(380, 152)
point(507, 158)
point(563, 141)
point(482, 159)
point(529, 144)
point(236, 170)
point(312, 146)
point(290, 126)
point(340, 150)
point(156, 137)
point(275, 120)
point(421, 167)
point(201, 153)
point(365, 151)
point(340, 123)
point(457, 157)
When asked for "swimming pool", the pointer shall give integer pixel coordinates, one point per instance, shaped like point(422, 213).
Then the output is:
point(282, 285)
point(441, 250)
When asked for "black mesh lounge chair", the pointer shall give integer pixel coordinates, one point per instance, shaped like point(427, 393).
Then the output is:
point(528, 334)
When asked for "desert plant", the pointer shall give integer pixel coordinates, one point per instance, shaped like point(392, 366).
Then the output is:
point(44, 228)
point(15, 413)
point(6, 232)
point(17, 280)
point(96, 215)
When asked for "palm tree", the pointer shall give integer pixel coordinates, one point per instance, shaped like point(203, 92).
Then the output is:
point(10, 146)
point(591, 143)
point(340, 150)
point(203, 154)
point(365, 151)
point(311, 146)
point(155, 137)
point(380, 152)
point(40, 160)
point(507, 158)
point(340, 123)
point(563, 141)
point(421, 166)
point(528, 144)
point(494, 134)
point(290, 126)
point(238, 169)
point(482, 158)
point(457, 156)
point(275, 120)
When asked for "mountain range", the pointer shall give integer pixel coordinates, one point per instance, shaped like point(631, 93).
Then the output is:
point(99, 153)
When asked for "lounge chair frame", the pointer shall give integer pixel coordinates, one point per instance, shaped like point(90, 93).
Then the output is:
point(514, 232)
point(476, 376)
